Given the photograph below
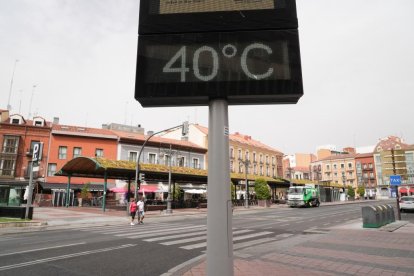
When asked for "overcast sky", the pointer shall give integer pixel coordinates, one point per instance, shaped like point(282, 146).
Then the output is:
point(357, 66)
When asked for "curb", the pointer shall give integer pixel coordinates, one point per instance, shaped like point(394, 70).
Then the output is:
point(22, 224)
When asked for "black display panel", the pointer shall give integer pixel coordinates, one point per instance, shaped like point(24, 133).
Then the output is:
point(250, 67)
point(181, 16)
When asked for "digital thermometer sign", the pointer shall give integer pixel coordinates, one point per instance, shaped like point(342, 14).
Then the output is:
point(189, 69)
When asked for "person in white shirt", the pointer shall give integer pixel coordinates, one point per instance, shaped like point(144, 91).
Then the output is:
point(141, 213)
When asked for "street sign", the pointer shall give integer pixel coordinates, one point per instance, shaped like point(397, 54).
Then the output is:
point(395, 180)
point(37, 152)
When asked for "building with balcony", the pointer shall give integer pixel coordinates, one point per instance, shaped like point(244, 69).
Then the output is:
point(17, 138)
point(392, 156)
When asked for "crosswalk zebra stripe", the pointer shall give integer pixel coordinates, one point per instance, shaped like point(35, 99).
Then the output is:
point(204, 244)
point(128, 228)
point(146, 234)
point(176, 236)
point(201, 238)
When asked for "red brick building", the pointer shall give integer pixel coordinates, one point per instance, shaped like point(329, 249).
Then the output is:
point(17, 137)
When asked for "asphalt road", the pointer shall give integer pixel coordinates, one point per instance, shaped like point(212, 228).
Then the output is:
point(158, 245)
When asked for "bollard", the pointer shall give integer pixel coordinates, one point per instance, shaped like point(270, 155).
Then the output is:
point(370, 217)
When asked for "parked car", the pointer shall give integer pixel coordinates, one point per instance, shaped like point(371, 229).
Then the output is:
point(406, 203)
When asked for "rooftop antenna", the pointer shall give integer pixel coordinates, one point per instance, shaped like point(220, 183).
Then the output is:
point(11, 85)
point(31, 100)
point(20, 101)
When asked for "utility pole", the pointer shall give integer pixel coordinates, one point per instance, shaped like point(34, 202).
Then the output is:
point(394, 171)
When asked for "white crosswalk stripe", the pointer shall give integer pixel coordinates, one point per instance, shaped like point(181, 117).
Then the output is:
point(185, 236)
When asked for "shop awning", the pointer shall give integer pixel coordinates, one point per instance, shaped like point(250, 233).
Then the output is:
point(411, 189)
point(195, 191)
point(403, 190)
point(148, 189)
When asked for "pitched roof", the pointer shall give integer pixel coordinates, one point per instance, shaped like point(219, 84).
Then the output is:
point(242, 139)
point(391, 142)
point(82, 131)
point(338, 157)
point(247, 140)
point(157, 140)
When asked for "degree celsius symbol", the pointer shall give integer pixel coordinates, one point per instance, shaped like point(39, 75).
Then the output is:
point(228, 51)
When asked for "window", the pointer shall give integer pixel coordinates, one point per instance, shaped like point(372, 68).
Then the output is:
point(63, 151)
point(254, 157)
point(267, 159)
point(261, 170)
point(273, 172)
point(51, 169)
point(246, 155)
point(349, 165)
point(261, 158)
point(167, 160)
point(273, 160)
point(255, 169)
point(328, 167)
point(364, 166)
point(99, 152)
point(334, 166)
point(342, 166)
point(181, 161)
point(371, 175)
point(77, 152)
point(10, 144)
point(16, 121)
point(267, 171)
point(240, 156)
point(152, 158)
point(196, 163)
point(240, 167)
point(231, 166)
point(370, 165)
point(7, 167)
point(231, 153)
point(132, 156)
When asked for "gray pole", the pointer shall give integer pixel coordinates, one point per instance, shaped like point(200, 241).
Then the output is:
point(219, 215)
point(246, 200)
point(30, 194)
point(169, 210)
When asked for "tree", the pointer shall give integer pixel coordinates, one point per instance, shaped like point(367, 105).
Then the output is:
point(177, 192)
point(351, 192)
point(85, 190)
point(262, 189)
point(361, 191)
point(233, 190)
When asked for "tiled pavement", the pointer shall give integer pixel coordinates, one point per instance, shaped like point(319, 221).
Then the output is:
point(348, 250)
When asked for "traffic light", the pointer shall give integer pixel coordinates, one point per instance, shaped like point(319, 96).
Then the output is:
point(141, 177)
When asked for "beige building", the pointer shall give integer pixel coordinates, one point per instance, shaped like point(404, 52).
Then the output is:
point(262, 160)
point(392, 156)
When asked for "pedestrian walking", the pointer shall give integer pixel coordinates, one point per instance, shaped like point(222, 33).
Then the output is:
point(141, 213)
point(133, 211)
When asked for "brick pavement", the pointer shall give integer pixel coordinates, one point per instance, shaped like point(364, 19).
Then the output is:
point(348, 250)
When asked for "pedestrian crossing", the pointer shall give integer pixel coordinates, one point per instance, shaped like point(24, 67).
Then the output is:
point(184, 236)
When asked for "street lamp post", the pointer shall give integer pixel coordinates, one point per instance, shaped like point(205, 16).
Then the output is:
point(184, 126)
point(246, 164)
point(344, 182)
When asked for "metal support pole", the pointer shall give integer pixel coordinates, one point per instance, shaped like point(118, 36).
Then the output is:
point(169, 210)
point(104, 192)
point(219, 211)
point(30, 194)
point(67, 192)
point(246, 200)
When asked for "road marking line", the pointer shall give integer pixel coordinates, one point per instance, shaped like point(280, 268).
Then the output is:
point(147, 234)
point(175, 236)
point(200, 238)
point(40, 249)
point(204, 244)
point(253, 242)
point(7, 267)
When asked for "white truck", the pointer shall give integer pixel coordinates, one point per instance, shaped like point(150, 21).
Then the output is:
point(303, 196)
